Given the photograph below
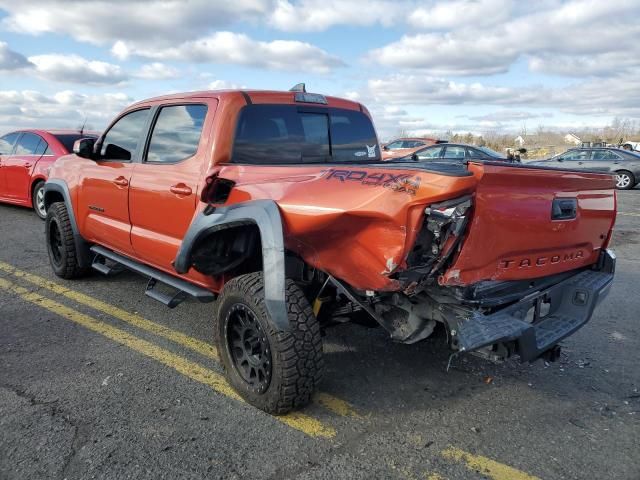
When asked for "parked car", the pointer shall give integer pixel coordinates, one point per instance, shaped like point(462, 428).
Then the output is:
point(452, 152)
point(279, 205)
point(624, 164)
point(25, 157)
point(401, 147)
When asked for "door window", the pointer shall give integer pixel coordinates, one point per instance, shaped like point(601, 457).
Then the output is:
point(28, 144)
point(604, 155)
point(6, 143)
point(123, 139)
point(429, 153)
point(454, 152)
point(176, 134)
point(473, 153)
point(575, 155)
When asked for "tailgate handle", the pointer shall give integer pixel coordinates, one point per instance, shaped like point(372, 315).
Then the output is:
point(564, 208)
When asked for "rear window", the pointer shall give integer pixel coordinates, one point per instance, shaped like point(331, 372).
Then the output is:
point(290, 134)
point(68, 139)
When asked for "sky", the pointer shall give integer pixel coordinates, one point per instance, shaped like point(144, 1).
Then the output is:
point(419, 66)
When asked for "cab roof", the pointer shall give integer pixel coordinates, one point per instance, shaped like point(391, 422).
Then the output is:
point(251, 96)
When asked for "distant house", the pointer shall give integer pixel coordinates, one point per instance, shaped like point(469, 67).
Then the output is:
point(519, 140)
point(572, 139)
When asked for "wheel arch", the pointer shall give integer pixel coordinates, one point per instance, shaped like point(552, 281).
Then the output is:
point(259, 216)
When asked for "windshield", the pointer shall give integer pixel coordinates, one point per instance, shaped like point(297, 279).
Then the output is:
point(292, 134)
point(68, 139)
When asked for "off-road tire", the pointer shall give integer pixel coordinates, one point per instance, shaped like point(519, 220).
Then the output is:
point(631, 180)
point(37, 200)
point(297, 363)
point(62, 254)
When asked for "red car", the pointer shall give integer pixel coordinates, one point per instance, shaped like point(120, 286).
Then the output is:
point(25, 158)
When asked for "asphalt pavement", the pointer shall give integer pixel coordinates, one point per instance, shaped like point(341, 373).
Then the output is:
point(99, 381)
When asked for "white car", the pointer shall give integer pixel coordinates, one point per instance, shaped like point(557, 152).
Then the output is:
point(633, 146)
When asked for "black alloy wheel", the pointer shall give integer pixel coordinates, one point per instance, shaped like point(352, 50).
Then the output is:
point(249, 347)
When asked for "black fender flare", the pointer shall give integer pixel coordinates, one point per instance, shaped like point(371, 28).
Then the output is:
point(57, 186)
point(265, 214)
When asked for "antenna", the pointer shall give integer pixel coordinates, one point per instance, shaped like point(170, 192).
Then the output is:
point(83, 125)
point(298, 87)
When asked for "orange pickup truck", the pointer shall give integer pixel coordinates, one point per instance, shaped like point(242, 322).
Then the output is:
point(279, 206)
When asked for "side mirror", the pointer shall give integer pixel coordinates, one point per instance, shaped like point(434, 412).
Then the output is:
point(559, 159)
point(84, 147)
point(384, 147)
point(414, 157)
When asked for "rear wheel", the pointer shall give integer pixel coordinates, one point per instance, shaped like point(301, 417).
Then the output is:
point(624, 180)
point(60, 243)
point(272, 370)
point(37, 200)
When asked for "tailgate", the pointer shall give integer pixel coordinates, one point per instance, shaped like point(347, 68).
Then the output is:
point(513, 234)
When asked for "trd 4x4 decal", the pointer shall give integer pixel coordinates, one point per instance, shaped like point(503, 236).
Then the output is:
point(402, 182)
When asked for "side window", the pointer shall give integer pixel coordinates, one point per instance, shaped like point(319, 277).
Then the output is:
point(394, 145)
point(473, 153)
point(42, 148)
point(176, 134)
point(454, 152)
point(124, 137)
point(28, 144)
point(577, 155)
point(604, 155)
point(429, 153)
point(7, 142)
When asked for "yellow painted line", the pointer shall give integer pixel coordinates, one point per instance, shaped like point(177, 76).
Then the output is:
point(434, 476)
point(336, 405)
point(175, 336)
point(486, 466)
point(192, 370)
point(331, 403)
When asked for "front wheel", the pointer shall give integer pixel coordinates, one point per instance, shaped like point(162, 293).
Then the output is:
point(37, 200)
point(624, 180)
point(275, 371)
point(61, 246)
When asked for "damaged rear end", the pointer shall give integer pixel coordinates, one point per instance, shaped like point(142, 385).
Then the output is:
point(513, 268)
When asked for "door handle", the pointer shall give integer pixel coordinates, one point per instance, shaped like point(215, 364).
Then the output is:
point(180, 189)
point(27, 165)
point(121, 182)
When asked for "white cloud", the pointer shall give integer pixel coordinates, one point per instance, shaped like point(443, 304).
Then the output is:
point(10, 60)
point(551, 32)
point(157, 71)
point(76, 69)
point(319, 15)
point(596, 97)
point(502, 116)
point(224, 85)
point(65, 109)
point(239, 49)
point(447, 54)
point(447, 15)
point(145, 22)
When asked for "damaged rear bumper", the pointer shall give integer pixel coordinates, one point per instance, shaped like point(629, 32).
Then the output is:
point(570, 305)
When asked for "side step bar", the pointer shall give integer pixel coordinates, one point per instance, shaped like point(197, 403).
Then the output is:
point(183, 287)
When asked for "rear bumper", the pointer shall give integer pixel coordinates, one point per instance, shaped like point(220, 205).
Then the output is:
point(571, 303)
